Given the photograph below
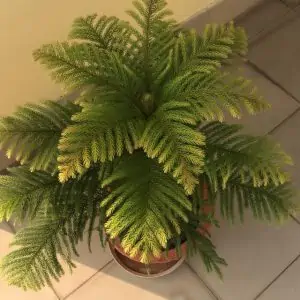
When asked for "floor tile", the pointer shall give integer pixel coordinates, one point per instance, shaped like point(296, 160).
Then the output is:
point(286, 286)
point(263, 17)
point(281, 104)
point(291, 3)
point(115, 283)
point(87, 265)
point(255, 252)
point(278, 56)
point(10, 292)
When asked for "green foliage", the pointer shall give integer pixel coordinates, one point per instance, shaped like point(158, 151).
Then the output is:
point(108, 33)
point(139, 155)
point(228, 152)
point(59, 215)
point(171, 137)
point(23, 193)
point(204, 54)
point(74, 64)
point(193, 73)
point(145, 206)
point(41, 246)
point(156, 35)
point(200, 244)
point(223, 92)
point(32, 127)
point(100, 133)
point(269, 202)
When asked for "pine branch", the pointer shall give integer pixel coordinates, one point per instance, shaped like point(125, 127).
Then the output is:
point(266, 202)
point(80, 65)
point(37, 261)
point(24, 192)
point(230, 153)
point(74, 64)
point(151, 15)
point(200, 244)
point(109, 33)
point(144, 207)
point(101, 133)
point(206, 53)
point(192, 74)
point(58, 217)
point(194, 60)
point(214, 93)
point(170, 136)
point(32, 127)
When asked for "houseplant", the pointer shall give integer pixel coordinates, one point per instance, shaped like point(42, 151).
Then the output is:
point(133, 155)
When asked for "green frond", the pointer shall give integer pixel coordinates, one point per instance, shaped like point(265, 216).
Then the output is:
point(84, 66)
point(75, 64)
point(224, 92)
point(205, 53)
point(192, 73)
point(156, 38)
point(213, 94)
point(170, 136)
point(109, 33)
point(37, 260)
point(230, 153)
point(148, 13)
point(101, 132)
point(22, 193)
point(32, 133)
point(57, 216)
point(265, 202)
point(200, 244)
point(143, 206)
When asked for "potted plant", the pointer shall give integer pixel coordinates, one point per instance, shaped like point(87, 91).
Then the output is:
point(143, 155)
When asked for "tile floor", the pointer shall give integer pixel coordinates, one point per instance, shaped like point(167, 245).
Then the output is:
point(264, 259)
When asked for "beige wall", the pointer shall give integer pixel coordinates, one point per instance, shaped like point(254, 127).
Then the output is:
point(26, 24)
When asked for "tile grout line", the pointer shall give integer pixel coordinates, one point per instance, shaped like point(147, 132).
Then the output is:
point(276, 278)
point(295, 219)
point(283, 121)
point(276, 83)
point(290, 16)
point(55, 292)
point(284, 3)
point(85, 281)
point(211, 292)
point(289, 6)
point(264, 74)
point(271, 29)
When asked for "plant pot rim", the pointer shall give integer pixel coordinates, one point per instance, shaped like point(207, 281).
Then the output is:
point(170, 255)
point(119, 261)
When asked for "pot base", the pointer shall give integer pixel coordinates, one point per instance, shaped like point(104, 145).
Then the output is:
point(153, 270)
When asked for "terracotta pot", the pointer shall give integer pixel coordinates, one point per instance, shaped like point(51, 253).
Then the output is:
point(158, 266)
point(153, 270)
